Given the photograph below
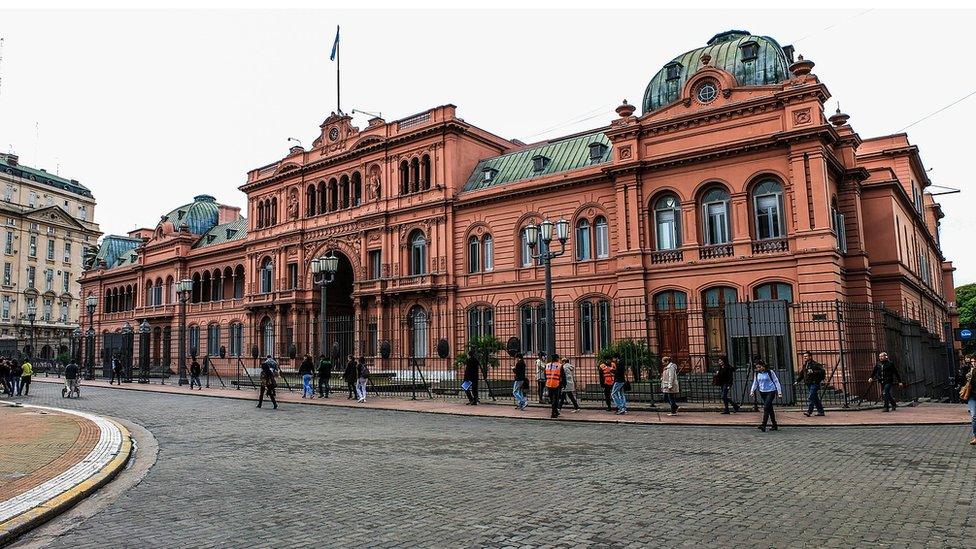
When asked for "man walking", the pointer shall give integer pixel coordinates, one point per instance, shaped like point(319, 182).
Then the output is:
point(195, 375)
point(887, 374)
point(470, 381)
point(70, 380)
point(555, 381)
point(325, 376)
point(812, 375)
point(27, 370)
point(362, 373)
point(15, 372)
point(518, 388)
point(669, 384)
point(350, 375)
point(307, 371)
point(116, 371)
point(540, 377)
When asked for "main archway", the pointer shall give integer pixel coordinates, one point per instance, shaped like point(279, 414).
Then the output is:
point(340, 311)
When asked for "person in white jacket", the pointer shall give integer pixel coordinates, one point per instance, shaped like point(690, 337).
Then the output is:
point(669, 384)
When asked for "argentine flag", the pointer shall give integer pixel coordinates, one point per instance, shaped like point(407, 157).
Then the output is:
point(335, 45)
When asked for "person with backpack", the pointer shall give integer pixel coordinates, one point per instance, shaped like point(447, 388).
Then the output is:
point(555, 381)
point(325, 376)
point(812, 375)
point(887, 374)
point(669, 384)
point(195, 375)
point(470, 381)
point(769, 388)
point(569, 387)
point(521, 381)
point(363, 376)
point(350, 375)
point(307, 371)
point(268, 382)
point(606, 380)
point(725, 378)
point(619, 387)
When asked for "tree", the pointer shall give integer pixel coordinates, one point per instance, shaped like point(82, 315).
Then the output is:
point(966, 304)
point(632, 353)
point(484, 348)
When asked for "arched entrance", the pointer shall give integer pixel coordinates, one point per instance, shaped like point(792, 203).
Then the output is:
point(340, 315)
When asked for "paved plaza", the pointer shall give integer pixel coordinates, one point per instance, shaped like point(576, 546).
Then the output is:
point(228, 474)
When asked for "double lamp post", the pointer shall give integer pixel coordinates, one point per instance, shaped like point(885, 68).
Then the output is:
point(323, 274)
point(544, 232)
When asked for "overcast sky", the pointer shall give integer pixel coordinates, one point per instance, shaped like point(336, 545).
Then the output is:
point(150, 108)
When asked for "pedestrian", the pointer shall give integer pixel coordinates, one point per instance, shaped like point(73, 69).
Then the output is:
point(725, 378)
point(195, 375)
point(307, 371)
point(5, 376)
point(967, 393)
point(540, 377)
point(569, 389)
point(470, 381)
point(350, 375)
point(769, 388)
point(887, 374)
point(268, 382)
point(812, 375)
point(619, 387)
point(555, 381)
point(606, 380)
point(27, 370)
point(15, 372)
point(518, 387)
point(116, 371)
point(669, 384)
point(325, 376)
point(70, 380)
point(362, 372)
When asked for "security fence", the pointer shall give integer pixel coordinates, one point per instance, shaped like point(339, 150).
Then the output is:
point(418, 352)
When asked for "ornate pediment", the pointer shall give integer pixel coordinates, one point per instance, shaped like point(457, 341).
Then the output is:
point(54, 215)
point(337, 134)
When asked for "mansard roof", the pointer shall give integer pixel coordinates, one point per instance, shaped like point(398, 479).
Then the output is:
point(223, 233)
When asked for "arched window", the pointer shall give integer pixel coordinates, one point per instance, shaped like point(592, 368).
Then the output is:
point(274, 211)
point(206, 289)
point(216, 286)
point(236, 347)
point(310, 201)
point(414, 175)
point(357, 189)
point(260, 208)
point(715, 216)
point(418, 253)
point(671, 300)
point(488, 248)
point(601, 237)
point(774, 290)
point(533, 327)
point(333, 195)
point(267, 336)
point(158, 292)
point(195, 292)
point(213, 340)
point(594, 323)
point(583, 240)
point(419, 340)
point(170, 290)
point(481, 321)
point(344, 194)
point(719, 296)
point(149, 294)
point(768, 203)
point(425, 172)
point(323, 192)
point(239, 282)
point(404, 177)
point(267, 275)
point(474, 254)
point(193, 340)
point(667, 222)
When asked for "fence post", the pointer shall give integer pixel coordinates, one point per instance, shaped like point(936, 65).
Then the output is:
point(950, 360)
point(840, 345)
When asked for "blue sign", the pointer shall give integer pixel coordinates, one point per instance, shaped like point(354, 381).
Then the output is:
point(965, 334)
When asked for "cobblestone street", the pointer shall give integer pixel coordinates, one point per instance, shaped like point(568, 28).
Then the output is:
point(231, 475)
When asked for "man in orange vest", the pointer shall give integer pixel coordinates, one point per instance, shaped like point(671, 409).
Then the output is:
point(606, 380)
point(555, 381)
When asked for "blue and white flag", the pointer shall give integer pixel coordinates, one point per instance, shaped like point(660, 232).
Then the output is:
point(335, 45)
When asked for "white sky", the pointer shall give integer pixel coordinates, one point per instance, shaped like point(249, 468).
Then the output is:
point(149, 108)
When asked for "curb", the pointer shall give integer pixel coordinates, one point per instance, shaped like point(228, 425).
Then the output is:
point(14, 527)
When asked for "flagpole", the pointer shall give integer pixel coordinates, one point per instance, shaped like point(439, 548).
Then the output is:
point(338, 87)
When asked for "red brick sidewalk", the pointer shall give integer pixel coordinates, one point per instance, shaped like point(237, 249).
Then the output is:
point(922, 414)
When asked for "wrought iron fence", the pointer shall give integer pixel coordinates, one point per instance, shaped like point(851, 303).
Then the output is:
point(415, 352)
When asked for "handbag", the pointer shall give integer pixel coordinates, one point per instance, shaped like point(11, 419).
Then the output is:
point(965, 391)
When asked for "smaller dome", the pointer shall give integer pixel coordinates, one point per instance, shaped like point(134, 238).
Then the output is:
point(198, 216)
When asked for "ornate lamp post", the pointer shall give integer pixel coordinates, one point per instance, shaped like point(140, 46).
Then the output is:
point(75, 344)
point(144, 330)
point(90, 303)
point(183, 290)
point(31, 317)
point(127, 350)
point(323, 273)
point(543, 231)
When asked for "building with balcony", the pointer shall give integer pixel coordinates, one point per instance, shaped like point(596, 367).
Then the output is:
point(732, 185)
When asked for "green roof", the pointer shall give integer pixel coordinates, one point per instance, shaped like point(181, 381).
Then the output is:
point(770, 66)
point(117, 251)
point(10, 165)
point(225, 232)
point(199, 216)
point(561, 155)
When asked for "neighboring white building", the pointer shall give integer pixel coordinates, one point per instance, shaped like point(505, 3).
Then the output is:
point(47, 223)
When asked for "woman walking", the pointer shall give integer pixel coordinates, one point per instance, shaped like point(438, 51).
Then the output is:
point(569, 390)
point(363, 377)
point(307, 371)
point(518, 387)
point(769, 388)
point(725, 378)
point(470, 381)
point(669, 384)
point(967, 393)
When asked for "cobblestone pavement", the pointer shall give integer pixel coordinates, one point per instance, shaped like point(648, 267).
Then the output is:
point(229, 474)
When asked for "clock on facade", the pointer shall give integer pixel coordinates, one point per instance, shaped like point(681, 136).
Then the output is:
point(334, 134)
point(707, 92)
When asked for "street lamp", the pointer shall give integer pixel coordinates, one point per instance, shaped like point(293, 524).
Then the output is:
point(183, 290)
point(31, 316)
point(75, 344)
point(127, 350)
point(90, 303)
point(144, 330)
point(323, 273)
point(543, 232)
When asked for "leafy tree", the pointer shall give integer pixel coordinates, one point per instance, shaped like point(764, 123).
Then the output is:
point(63, 358)
point(485, 348)
point(966, 304)
point(633, 353)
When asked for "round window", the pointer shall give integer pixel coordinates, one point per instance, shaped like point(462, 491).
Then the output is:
point(707, 92)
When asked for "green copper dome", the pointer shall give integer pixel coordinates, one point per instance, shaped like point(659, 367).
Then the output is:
point(753, 60)
point(199, 216)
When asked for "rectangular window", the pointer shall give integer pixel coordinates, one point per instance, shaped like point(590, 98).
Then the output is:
point(716, 223)
point(48, 307)
point(50, 249)
point(586, 327)
point(667, 230)
point(8, 193)
point(840, 230)
point(604, 331)
point(48, 280)
point(32, 246)
point(528, 331)
point(767, 217)
point(7, 271)
point(32, 199)
point(293, 276)
point(602, 239)
point(372, 331)
point(5, 313)
point(66, 281)
point(375, 264)
point(9, 244)
point(583, 241)
point(63, 316)
point(31, 276)
point(213, 340)
point(67, 252)
point(489, 250)
point(82, 212)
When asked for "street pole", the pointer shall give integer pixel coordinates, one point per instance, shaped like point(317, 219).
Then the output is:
point(144, 330)
point(90, 303)
point(183, 289)
point(32, 316)
point(544, 232)
point(323, 273)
